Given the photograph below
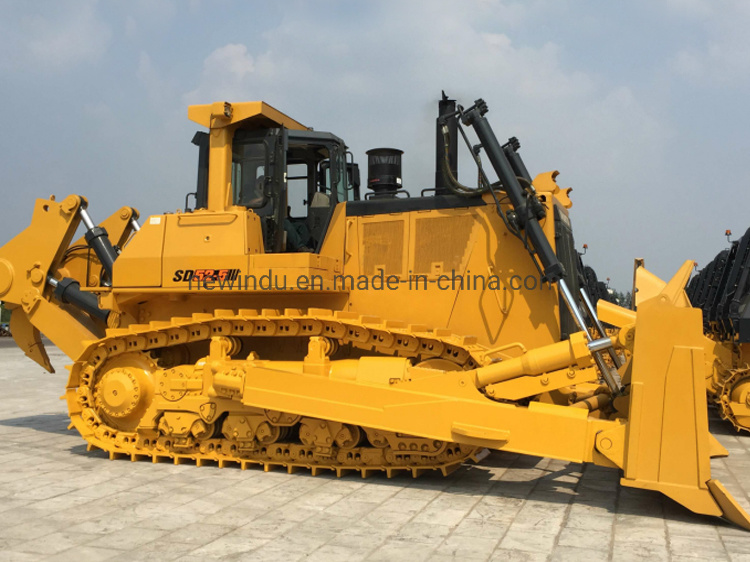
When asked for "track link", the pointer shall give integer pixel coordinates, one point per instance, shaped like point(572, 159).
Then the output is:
point(281, 441)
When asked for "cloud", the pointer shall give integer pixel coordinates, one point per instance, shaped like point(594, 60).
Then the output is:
point(143, 17)
point(720, 54)
point(695, 9)
point(62, 37)
point(131, 26)
point(225, 75)
point(156, 83)
point(158, 12)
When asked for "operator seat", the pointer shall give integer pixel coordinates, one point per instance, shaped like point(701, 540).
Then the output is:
point(317, 215)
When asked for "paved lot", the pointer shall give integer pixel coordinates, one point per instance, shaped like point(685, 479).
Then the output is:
point(59, 502)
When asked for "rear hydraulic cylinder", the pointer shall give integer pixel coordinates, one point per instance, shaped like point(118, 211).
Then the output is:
point(553, 269)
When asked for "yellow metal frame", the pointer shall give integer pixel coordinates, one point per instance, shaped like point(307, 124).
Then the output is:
point(223, 119)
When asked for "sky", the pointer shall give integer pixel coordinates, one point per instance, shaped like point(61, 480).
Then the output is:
point(642, 106)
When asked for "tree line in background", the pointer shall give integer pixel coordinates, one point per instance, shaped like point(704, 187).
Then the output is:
point(624, 300)
point(4, 314)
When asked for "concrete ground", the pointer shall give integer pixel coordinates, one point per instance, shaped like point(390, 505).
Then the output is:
point(59, 502)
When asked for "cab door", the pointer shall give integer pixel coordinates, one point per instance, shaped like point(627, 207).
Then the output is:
point(259, 180)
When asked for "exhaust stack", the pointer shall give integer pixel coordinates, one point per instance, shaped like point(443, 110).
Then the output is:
point(446, 106)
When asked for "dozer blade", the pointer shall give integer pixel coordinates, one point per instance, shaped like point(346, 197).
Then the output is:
point(667, 443)
point(646, 285)
point(29, 339)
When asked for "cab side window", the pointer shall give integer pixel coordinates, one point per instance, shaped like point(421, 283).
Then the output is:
point(248, 175)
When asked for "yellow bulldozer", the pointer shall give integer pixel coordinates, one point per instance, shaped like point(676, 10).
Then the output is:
point(387, 332)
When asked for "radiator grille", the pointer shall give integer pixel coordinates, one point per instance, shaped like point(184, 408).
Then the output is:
point(441, 240)
point(383, 247)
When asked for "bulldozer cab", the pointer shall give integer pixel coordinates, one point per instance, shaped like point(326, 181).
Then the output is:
point(290, 177)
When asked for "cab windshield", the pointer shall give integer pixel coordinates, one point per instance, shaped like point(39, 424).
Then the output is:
point(294, 190)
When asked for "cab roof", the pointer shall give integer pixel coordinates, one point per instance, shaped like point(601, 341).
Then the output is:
point(252, 115)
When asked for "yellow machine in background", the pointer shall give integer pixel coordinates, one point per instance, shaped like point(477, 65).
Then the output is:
point(722, 291)
point(388, 333)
